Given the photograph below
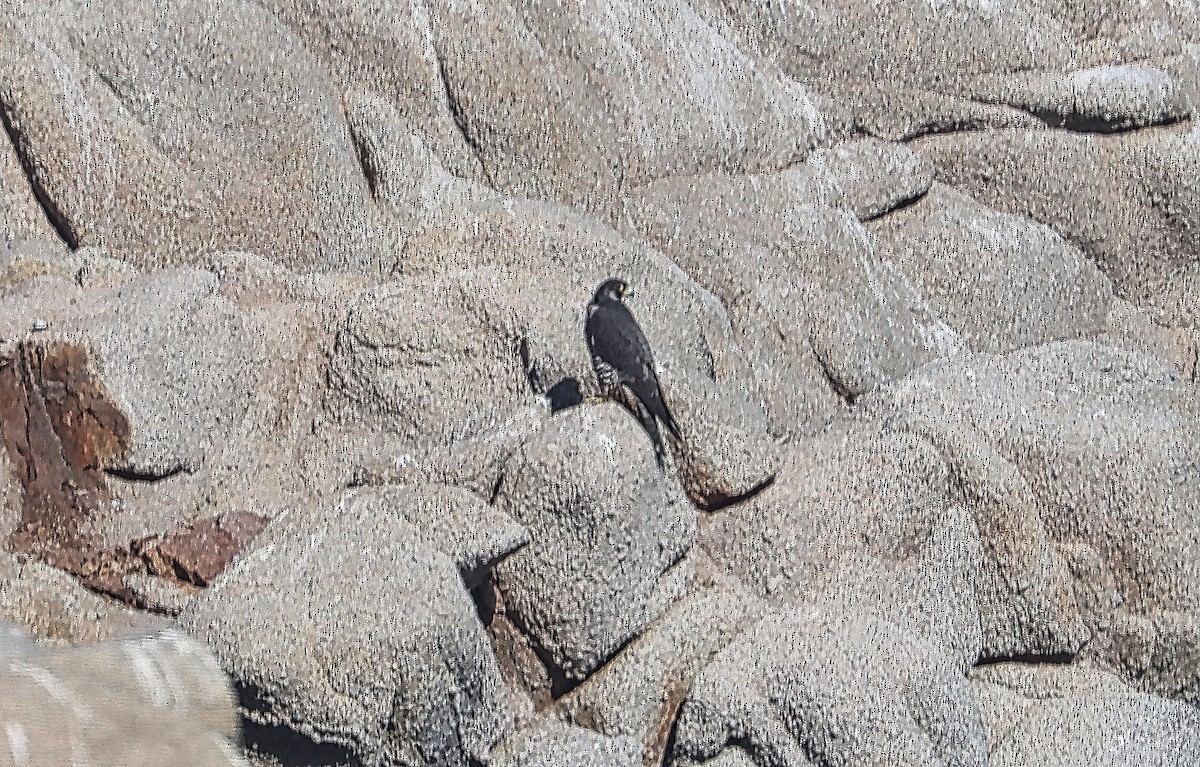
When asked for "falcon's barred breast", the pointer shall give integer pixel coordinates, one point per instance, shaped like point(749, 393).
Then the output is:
point(623, 361)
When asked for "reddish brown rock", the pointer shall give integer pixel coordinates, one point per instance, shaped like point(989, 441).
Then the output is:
point(199, 552)
point(60, 429)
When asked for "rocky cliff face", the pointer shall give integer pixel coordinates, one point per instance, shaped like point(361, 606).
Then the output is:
point(300, 459)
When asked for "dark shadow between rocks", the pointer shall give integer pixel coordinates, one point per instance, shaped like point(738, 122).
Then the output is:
point(724, 503)
point(283, 744)
point(1082, 123)
point(147, 478)
point(1054, 659)
point(564, 394)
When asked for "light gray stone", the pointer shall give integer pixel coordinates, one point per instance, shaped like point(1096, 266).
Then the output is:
point(159, 699)
point(390, 50)
point(999, 280)
point(607, 529)
point(454, 521)
point(1076, 716)
point(170, 352)
point(1122, 31)
point(552, 744)
point(898, 70)
point(1136, 216)
point(21, 217)
point(874, 176)
point(347, 629)
point(158, 152)
point(831, 685)
point(1132, 328)
point(638, 693)
point(909, 68)
point(820, 311)
point(968, 564)
point(1105, 442)
point(612, 94)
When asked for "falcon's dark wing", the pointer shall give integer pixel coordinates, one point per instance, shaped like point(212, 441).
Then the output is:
point(615, 337)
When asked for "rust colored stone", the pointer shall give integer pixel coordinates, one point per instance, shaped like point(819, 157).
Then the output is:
point(198, 553)
point(59, 429)
point(655, 750)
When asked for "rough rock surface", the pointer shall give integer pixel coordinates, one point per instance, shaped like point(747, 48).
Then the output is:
point(603, 524)
point(999, 281)
point(1076, 715)
point(921, 281)
point(879, 516)
point(391, 665)
point(1106, 440)
point(639, 692)
point(1136, 216)
point(552, 744)
point(822, 305)
point(160, 152)
point(795, 689)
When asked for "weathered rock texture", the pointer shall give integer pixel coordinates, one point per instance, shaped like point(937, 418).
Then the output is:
point(343, 626)
point(291, 351)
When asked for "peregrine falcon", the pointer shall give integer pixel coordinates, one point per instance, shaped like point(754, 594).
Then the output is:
point(623, 361)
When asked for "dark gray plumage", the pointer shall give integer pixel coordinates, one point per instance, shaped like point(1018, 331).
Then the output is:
point(622, 359)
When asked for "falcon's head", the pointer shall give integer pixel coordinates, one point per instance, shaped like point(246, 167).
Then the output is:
point(611, 290)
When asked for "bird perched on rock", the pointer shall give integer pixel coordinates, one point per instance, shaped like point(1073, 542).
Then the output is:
point(623, 361)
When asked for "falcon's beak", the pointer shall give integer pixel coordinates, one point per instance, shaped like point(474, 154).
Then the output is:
point(626, 291)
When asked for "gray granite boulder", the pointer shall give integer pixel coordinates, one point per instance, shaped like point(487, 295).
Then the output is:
point(607, 529)
point(910, 68)
point(343, 627)
point(638, 693)
point(387, 49)
point(830, 685)
point(1105, 440)
point(879, 517)
point(822, 313)
point(999, 280)
point(1136, 216)
point(553, 744)
point(456, 522)
point(873, 176)
point(1078, 716)
point(172, 354)
point(612, 95)
point(160, 154)
point(157, 699)
point(1105, 98)
point(133, 405)
point(21, 217)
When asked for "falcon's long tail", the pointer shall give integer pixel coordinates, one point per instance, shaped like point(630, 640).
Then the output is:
point(648, 422)
point(659, 408)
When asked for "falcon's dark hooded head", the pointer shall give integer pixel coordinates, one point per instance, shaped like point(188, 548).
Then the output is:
point(611, 290)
